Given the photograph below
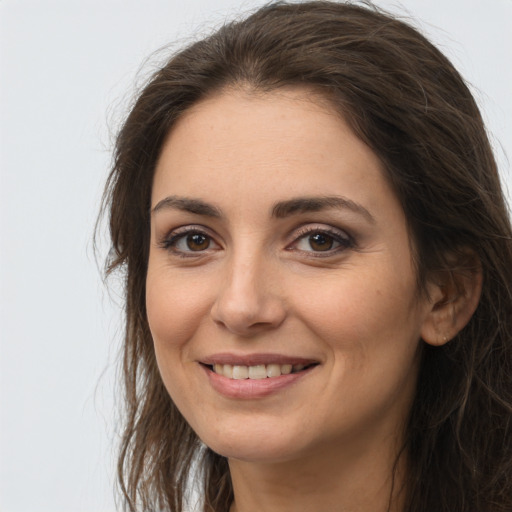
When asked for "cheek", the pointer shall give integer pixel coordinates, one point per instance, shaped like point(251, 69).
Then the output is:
point(175, 307)
point(360, 313)
point(175, 310)
point(371, 329)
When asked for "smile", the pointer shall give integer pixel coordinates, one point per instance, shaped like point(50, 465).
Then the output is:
point(256, 375)
point(260, 371)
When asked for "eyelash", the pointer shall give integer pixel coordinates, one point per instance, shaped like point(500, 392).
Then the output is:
point(170, 242)
point(344, 240)
point(339, 237)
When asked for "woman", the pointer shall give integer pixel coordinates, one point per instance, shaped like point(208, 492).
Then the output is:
point(318, 264)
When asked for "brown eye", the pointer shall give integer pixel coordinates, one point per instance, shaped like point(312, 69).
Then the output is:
point(197, 242)
point(321, 242)
point(190, 241)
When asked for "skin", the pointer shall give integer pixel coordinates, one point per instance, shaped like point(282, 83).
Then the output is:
point(256, 284)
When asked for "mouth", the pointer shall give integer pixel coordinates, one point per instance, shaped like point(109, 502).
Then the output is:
point(259, 371)
point(255, 376)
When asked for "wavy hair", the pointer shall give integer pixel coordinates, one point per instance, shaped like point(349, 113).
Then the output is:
point(404, 99)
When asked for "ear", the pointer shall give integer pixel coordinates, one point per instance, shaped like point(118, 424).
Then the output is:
point(453, 298)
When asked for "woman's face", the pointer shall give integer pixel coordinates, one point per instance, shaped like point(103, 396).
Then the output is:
point(281, 294)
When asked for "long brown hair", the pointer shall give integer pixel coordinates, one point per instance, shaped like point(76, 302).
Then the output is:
point(406, 101)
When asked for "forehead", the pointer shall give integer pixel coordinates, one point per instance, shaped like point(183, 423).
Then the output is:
point(281, 144)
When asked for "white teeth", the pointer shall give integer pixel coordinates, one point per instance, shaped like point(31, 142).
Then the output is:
point(257, 372)
point(240, 372)
point(228, 371)
point(273, 370)
point(286, 369)
point(261, 371)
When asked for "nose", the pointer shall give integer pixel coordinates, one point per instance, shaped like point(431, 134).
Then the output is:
point(249, 301)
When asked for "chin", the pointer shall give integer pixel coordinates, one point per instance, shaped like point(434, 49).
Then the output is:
point(255, 444)
point(255, 452)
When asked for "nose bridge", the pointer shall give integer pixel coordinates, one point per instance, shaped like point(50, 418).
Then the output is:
point(248, 300)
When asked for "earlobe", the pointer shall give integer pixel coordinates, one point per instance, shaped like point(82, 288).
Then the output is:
point(454, 296)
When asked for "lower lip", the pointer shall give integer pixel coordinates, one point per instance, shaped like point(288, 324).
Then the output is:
point(247, 389)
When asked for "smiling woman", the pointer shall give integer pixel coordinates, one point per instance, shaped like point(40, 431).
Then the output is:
point(271, 287)
point(318, 274)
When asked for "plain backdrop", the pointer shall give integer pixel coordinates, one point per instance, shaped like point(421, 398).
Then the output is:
point(67, 71)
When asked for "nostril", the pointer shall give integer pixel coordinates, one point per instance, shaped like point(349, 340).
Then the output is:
point(247, 317)
point(246, 302)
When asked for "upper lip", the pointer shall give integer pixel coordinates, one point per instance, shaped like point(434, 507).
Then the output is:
point(255, 359)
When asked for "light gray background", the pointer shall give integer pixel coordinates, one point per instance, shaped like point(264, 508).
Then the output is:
point(66, 69)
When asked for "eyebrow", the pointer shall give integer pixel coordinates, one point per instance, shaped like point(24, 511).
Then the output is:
point(186, 204)
point(280, 210)
point(316, 204)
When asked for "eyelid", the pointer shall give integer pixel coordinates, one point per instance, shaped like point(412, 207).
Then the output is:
point(172, 237)
point(344, 240)
point(341, 236)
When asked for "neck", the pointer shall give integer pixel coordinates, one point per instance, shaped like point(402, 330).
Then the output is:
point(328, 479)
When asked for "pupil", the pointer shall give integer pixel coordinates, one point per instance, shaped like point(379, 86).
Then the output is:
point(197, 242)
point(320, 242)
